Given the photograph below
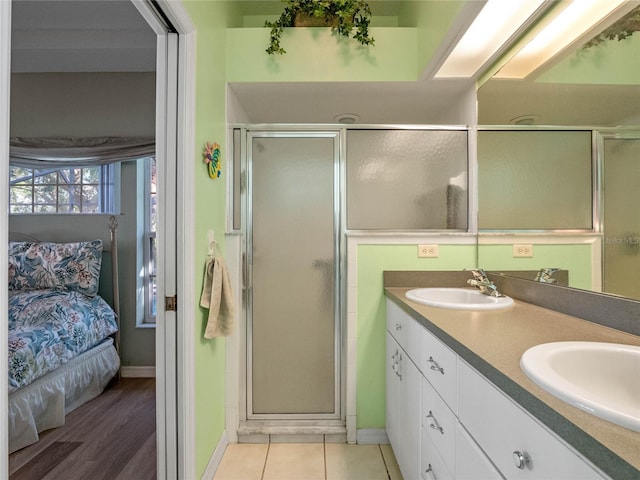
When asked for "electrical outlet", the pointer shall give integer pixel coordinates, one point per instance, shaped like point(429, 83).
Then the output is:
point(523, 250)
point(429, 251)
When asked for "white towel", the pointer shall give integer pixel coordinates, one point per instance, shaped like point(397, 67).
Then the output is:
point(218, 298)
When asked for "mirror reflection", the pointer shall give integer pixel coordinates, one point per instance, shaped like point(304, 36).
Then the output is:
point(594, 91)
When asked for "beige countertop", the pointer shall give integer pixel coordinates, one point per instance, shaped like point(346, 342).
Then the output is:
point(493, 343)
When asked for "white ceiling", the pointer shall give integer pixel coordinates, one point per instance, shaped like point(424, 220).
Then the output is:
point(111, 36)
point(80, 36)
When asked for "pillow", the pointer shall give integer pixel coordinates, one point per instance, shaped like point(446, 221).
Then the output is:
point(59, 266)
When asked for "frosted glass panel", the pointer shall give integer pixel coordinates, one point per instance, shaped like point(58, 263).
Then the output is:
point(237, 177)
point(622, 217)
point(406, 179)
point(539, 180)
point(293, 283)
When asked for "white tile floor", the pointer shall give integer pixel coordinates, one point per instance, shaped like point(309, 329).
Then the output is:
point(308, 461)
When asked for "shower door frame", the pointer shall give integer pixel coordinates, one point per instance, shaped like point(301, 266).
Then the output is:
point(247, 136)
point(601, 135)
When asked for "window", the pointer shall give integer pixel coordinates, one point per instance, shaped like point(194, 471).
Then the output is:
point(535, 180)
point(62, 190)
point(150, 246)
point(407, 180)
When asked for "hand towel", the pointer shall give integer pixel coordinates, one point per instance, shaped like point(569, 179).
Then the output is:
point(218, 298)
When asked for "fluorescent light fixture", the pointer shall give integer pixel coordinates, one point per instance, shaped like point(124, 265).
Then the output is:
point(496, 23)
point(570, 24)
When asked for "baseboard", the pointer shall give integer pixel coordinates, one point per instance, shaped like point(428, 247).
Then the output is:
point(138, 372)
point(216, 457)
point(369, 436)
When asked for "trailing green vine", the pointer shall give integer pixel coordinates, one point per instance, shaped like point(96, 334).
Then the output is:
point(347, 18)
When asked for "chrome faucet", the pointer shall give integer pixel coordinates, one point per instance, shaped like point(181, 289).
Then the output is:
point(483, 283)
point(545, 275)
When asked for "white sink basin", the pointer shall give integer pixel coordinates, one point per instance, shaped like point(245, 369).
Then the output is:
point(458, 298)
point(600, 378)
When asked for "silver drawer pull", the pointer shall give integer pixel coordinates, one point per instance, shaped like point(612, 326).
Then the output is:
point(398, 326)
point(435, 425)
point(428, 474)
point(435, 366)
point(520, 459)
point(398, 370)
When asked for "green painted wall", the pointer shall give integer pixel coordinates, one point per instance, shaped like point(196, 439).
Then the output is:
point(573, 257)
point(433, 20)
point(372, 261)
point(211, 19)
point(336, 59)
point(610, 63)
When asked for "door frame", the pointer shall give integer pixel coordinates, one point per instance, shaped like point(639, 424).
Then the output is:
point(5, 84)
point(175, 362)
point(247, 134)
point(176, 399)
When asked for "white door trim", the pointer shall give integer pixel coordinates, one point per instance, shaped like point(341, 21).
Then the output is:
point(5, 82)
point(176, 390)
point(185, 235)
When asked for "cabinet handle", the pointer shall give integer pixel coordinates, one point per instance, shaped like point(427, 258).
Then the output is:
point(428, 473)
point(398, 326)
point(435, 366)
point(435, 425)
point(399, 370)
point(520, 459)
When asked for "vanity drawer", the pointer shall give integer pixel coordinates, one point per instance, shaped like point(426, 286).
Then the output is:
point(509, 435)
point(432, 466)
point(439, 423)
point(405, 330)
point(438, 365)
point(471, 462)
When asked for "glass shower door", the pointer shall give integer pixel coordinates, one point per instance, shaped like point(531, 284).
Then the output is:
point(293, 264)
point(621, 219)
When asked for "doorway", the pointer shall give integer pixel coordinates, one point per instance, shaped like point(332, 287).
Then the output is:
point(174, 445)
point(293, 270)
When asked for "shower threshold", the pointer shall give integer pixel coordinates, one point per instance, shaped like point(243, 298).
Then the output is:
point(292, 431)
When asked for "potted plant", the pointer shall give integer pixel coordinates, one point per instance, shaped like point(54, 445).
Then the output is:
point(345, 17)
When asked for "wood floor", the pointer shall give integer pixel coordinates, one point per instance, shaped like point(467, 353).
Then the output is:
point(111, 437)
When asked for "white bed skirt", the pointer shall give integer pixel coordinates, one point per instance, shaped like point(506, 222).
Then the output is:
point(43, 404)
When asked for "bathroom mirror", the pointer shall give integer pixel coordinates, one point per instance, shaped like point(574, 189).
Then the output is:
point(595, 87)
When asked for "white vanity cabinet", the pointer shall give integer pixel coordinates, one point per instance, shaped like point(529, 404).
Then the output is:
point(403, 405)
point(471, 462)
point(447, 421)
point(517, 443)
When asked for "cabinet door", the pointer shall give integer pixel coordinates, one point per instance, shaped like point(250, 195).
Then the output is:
point(409, 418)
point(505, 431)
point(392, 391)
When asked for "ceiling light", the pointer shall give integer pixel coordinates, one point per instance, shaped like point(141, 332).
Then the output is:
point(347, 118)
point(495, 25)
point(568, 26)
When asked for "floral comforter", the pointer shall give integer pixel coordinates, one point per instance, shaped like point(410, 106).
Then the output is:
point(47, 328)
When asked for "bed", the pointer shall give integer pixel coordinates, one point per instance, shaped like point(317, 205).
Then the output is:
point(63, 335)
